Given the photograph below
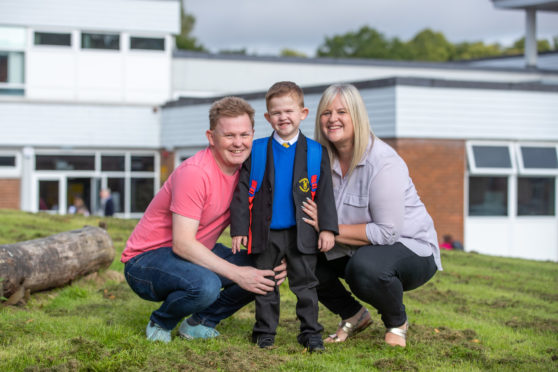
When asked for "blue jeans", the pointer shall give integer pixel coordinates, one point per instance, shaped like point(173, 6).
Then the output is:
point(186, 288)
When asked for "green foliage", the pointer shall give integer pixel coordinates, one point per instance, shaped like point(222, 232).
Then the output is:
point(426, 45)
point(240, 52)
point(286, 52)
point(481, 313)
point(184, 40)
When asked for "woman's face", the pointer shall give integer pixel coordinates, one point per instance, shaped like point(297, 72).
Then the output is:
point(336, 123)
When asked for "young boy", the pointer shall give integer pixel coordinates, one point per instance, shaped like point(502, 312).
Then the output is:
point(274, 220)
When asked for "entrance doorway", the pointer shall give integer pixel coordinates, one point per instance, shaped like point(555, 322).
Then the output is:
point(76, 189)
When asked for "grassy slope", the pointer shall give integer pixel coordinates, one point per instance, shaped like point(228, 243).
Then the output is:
point(481, 313)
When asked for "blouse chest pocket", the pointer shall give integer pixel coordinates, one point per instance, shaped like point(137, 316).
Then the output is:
point(358, 201)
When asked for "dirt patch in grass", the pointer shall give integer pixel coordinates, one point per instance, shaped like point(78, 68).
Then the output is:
point(429, 294)
point(230, 359)
point(395, 364)
point(501, 303)
point(537, 324)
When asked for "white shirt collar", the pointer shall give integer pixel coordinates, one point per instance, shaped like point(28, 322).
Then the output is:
point(281, 141)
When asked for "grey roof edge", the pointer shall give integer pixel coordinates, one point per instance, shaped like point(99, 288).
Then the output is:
point(532, 86)
point(500, 58)
point(453, 65)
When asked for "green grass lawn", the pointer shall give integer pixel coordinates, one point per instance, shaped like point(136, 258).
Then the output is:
point(481, 313)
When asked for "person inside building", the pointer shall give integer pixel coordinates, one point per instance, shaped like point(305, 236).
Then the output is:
point(78, 206)
point(173, 255)
point(106, 202)
point(387, 243)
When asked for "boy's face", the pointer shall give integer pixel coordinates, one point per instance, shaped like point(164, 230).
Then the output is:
point(285, 114)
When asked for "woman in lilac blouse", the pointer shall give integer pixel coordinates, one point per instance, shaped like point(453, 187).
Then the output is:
point(386, 243)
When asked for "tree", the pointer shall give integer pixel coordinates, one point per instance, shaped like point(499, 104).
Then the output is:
point(429, 45)
point(518, 46)
point(365, 43)
point(475, 50)
point(286, 52)
point(184, 40)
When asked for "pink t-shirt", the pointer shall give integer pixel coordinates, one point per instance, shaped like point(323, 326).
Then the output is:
point(197, 189)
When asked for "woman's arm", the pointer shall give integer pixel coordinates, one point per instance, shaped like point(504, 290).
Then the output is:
point(348, 234)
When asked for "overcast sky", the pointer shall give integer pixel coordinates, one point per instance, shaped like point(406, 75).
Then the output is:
point(267, 26)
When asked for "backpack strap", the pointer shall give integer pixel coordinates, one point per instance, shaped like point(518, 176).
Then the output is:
point(257, 170)
point(313, 163)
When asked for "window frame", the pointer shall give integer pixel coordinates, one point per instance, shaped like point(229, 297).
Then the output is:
point(9, 171)
point(117, 50)
point(64, 46)
point(534, 171)
point(142, 50)
point(476, 170)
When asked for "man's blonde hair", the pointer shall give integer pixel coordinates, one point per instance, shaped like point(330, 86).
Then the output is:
point(357, 111)
point(285, 88)
point(229, 107)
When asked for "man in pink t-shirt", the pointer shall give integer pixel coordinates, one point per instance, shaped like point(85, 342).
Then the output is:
point(172, 255)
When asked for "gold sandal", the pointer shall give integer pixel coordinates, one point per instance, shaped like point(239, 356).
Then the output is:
point(401, 332)
point(351, 329)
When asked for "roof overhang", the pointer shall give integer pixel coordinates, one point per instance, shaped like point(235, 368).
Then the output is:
point(539, 5)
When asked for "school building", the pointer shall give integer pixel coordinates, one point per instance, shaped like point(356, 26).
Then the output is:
point(90, 100)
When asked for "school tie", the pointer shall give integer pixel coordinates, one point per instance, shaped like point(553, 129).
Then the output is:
point(286, 145)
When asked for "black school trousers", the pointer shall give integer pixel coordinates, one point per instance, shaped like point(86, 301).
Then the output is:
point(375, 274)
point(302, 282)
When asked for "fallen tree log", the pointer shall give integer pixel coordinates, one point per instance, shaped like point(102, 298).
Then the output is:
point(54, 261)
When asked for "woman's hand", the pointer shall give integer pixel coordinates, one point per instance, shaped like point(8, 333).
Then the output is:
point(311, 209)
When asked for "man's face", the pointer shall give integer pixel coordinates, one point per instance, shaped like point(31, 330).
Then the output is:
point(231, 142)
point(285, 114)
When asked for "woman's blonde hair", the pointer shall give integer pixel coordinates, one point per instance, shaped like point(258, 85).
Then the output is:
point(357, 111)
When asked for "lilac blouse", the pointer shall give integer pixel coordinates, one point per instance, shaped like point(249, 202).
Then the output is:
point(380, 193)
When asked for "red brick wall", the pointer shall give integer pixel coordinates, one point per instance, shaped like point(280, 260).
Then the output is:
point(437, 168)
point(167, 164)
point(10, 193)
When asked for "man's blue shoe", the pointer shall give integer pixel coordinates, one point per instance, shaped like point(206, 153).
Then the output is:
point(155, 332)
point(191, 332)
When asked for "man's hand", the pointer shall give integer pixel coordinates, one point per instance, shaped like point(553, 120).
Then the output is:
point(237, 241)
point(254, 280)
point(326, 241)
point(280, 272)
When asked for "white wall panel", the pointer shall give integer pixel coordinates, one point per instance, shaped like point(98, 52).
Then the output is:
point(533, 238)
point(105, 15)
point(214, 76)
point(147, 77)
point(476, 113)
point(69, 125)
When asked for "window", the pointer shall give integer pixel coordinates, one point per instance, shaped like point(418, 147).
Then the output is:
point(53, 38)
point(48, 195)
point(12, 38)
point(143, 164)
point(141, 193)
point(65, 162)
point(10, 164)
point(535, 196)
point(537, 159)
point(147, 43)
point(112, 163)
point(501, 179)
point(490, 158)
point(7, 161)
point(100, 41)
point(488, 196)
point(11, 73)
point(117, 189)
